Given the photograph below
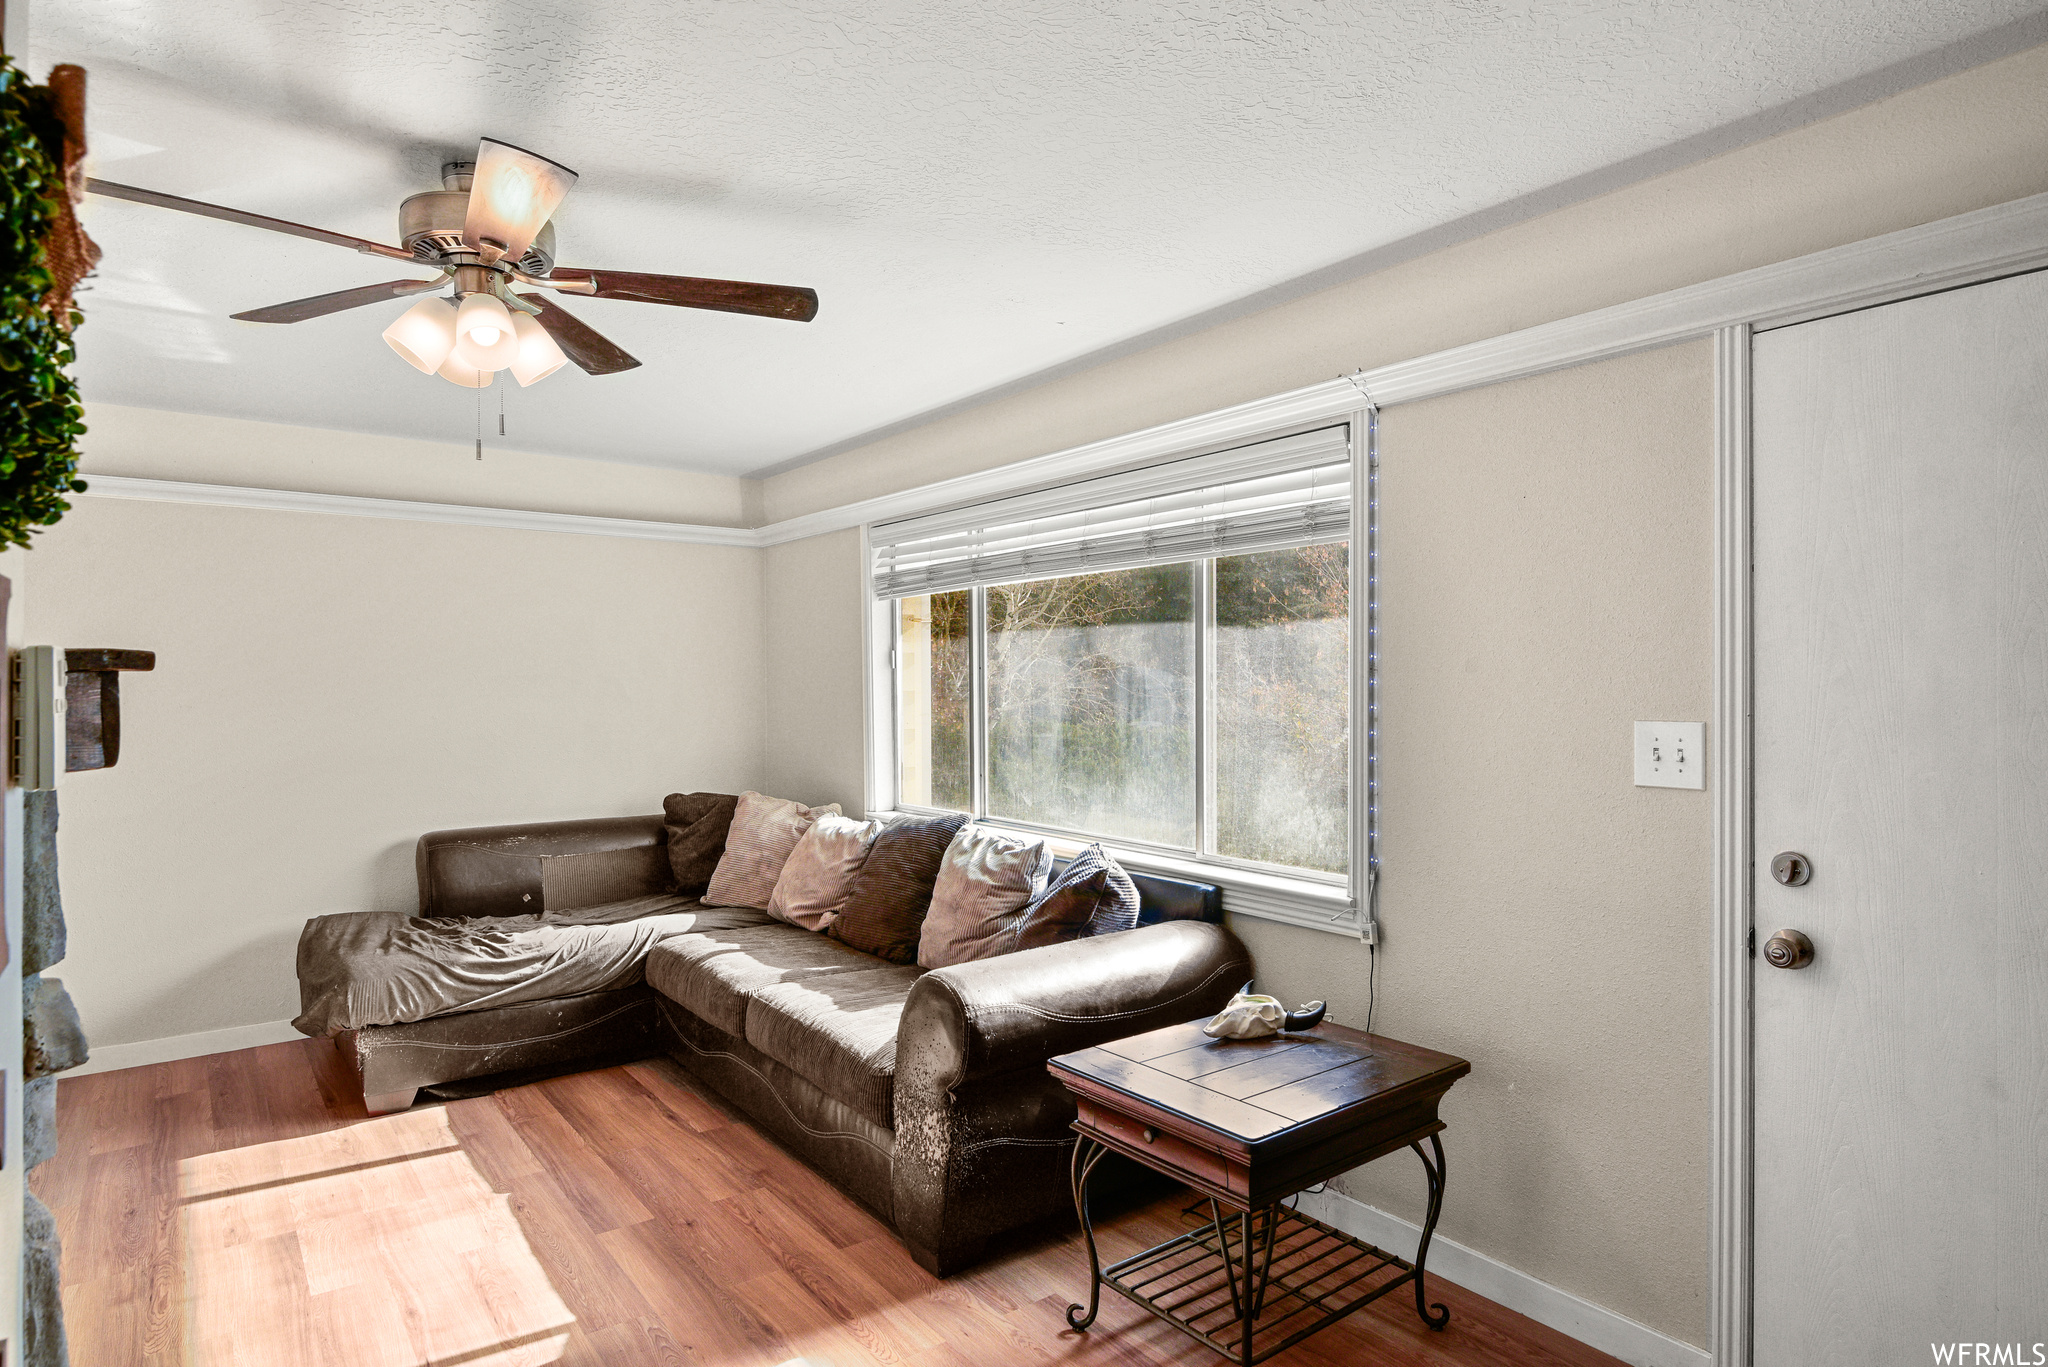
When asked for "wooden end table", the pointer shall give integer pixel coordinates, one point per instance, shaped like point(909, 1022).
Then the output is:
point(1248, 1123)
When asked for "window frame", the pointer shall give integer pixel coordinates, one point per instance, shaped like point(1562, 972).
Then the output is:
point(1339, 903)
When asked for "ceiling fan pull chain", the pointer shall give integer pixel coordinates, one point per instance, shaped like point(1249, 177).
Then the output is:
point(480, 424)
point(501, 407)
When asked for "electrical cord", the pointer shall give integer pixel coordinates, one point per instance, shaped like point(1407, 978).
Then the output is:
point(1372, 964)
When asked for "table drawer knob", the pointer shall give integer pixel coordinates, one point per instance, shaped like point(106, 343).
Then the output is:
point(1150, 1134)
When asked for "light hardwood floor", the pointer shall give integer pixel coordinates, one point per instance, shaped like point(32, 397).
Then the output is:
point(243, 1209)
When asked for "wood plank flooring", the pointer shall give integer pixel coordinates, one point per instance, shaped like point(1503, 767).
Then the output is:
point(243, 1209)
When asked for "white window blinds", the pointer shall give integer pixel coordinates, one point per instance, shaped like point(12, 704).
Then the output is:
point(1292, 491)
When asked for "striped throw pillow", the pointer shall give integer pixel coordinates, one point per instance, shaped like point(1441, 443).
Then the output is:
point(1091, 896)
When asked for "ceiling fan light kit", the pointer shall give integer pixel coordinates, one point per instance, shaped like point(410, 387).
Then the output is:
point(488, 228)
point(424, 334)
point(513, 192)
point(455, 372)
point(483, 333)
point(538, 357)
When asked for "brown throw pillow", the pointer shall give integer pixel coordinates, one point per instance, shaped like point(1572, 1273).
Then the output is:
point(764, 831)
point(696, 824)
point(985, 881)
point(886, 906)
point(1091, 896)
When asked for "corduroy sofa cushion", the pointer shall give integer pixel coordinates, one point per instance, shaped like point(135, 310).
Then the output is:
point(713, 975)
point(820, 871)
point(838, 1032)
point(985, 881)
point(885, 908)
point(764, 830)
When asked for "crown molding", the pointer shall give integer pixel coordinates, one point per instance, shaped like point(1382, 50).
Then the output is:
point(1985, 244)
point(348, 505)
point(2004, 239)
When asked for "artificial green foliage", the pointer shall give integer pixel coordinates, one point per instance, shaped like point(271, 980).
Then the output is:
point(40, 415)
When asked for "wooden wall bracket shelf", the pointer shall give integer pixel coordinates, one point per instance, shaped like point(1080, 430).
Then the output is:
point(92, 704)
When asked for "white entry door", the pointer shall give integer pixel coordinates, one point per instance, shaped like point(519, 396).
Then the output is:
point(1901, 748)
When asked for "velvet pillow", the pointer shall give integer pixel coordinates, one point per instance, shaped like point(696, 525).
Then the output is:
point(764, 831)
point(886, 906)
point(1091, 896)
point(696, 824)
point(985, 881)
point(820, 872)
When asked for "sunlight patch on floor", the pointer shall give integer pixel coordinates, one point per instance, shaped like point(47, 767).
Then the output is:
point(375, 1245)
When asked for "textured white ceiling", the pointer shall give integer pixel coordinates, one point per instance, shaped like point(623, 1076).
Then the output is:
point(977, 192)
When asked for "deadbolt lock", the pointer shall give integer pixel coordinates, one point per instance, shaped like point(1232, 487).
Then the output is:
point(1788, 949)
point(1792, 869)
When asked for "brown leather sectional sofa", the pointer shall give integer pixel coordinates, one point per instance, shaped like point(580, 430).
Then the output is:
point(922, 1094)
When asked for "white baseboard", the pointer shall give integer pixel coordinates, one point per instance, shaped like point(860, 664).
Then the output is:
point(105, 1058)
point(1590, 1324)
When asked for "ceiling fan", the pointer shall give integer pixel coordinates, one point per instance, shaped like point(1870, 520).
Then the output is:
point(485, 231)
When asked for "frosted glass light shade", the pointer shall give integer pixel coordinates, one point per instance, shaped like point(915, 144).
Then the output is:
point(484, 338)
point(539, 357)
point(424, 334)
point(469, 377)
point(512, 193)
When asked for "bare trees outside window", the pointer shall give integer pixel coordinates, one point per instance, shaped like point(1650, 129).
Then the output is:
point(1283, 706)
point(1200, 707)
point(1091, 703)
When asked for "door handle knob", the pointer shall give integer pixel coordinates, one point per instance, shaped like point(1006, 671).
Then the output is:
point(1788, 949)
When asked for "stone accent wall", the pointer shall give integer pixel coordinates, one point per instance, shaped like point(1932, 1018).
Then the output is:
point(51, 1041)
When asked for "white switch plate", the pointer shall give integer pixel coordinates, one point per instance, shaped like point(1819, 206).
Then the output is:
point(1671, 754)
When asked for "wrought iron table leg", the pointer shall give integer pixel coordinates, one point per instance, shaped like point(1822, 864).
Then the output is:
point(1272, 1214)
point(1087, 1153)
point(1435, 1316)
point(1252, 1296)
point(1239, 1293)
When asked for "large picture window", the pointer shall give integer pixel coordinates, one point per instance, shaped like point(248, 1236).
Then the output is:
point(1142, 705)
point(1196, 705)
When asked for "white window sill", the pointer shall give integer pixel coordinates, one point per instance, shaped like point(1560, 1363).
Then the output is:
point(1311, 903)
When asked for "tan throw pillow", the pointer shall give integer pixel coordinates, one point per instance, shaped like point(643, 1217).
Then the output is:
point(821, 870)
point(764, 831)
point(985, 881)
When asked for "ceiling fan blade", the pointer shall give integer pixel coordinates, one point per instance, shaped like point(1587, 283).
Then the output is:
point(688, 291)
point(512, 193)
point(276, 225)
point(299, 310)
point(580, 342)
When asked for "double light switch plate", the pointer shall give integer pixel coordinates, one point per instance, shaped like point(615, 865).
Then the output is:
point(1671, 754)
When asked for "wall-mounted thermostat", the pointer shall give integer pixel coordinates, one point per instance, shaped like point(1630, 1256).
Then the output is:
point(38, 740)
point(1671, 754)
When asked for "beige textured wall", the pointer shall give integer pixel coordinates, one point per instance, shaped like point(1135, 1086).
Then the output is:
point(1546, 584)
point(812, 742)
point(1973, 139)
point(1546, 575)
point(327, 688)
point(153, 444)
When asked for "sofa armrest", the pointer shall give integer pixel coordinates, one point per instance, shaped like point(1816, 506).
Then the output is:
point(983, 1132)
point(992, 1016)
point(541, 866)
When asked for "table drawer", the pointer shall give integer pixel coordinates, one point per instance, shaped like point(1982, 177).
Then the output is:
point(1167, 1153)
